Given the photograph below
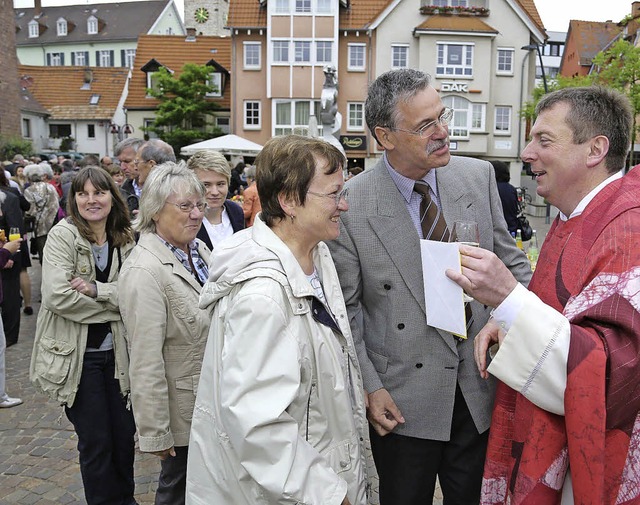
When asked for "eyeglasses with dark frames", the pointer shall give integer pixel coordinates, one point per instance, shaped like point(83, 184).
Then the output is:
point(430, 128)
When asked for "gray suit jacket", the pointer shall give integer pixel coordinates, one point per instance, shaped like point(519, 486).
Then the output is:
point(378, 260)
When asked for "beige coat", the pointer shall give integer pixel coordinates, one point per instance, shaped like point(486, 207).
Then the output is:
point(61, 329)
point(167, 332)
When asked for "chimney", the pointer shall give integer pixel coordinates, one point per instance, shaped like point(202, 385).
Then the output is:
point(37, 7)
point(635, 9)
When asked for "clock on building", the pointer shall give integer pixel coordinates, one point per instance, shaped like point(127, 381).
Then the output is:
point(201, 15)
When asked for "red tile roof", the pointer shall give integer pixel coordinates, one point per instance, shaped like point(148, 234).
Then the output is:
point(59, 90)
point(173, 51)
point(591, 37)
point(530, 8)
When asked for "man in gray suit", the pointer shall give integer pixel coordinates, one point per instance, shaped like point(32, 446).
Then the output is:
point(429, 408)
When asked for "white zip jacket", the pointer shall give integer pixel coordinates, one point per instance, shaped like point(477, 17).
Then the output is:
point(280, 415)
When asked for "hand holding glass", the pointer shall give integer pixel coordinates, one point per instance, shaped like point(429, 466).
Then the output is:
point(466, 232)
point(14, 234)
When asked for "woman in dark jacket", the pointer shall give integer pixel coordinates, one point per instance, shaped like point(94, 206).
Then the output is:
point(222, 217)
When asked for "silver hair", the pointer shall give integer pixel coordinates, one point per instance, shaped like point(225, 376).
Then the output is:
point(250, 171)
point(211, 161)
point(131, 142)
point(392, 87)
point(165, 180)
point(33, 172)
point(47, 170)
point(157, 150)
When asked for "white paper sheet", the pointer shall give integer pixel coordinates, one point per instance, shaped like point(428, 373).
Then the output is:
point(443, 297)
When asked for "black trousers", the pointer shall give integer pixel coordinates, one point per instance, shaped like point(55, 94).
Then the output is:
point(105, 431)
point(408, 466)
point(11, 303)
point(172, 483)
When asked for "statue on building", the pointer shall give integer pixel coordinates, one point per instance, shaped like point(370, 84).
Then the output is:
point(330, 118)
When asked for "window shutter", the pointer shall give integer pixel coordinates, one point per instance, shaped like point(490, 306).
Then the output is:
point(112, 61)
point(97, 58)
point(123, 58)
point(48, 59)
point(86, 59)
point(62, 59)
point(73, 58)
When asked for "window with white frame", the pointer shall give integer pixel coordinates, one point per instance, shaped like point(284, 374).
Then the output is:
point(282, 6)
point(252, 52)
point(303, 6)
point(503, 120)
point(505, 61)
point(80, 58)
point(302, 51)
point(129, 58)
point(356, 57)
point(252, 117)
point(105, 58)
point(324, 51)
point(467, 116)
point(355, 116)
point(55, 59)
point(152, 81)
point(324, 6)
point(61, 27)
point(293, 116)
point(454, 60)
point(34, 29)
point(215, 80)
point(92, 25)
point(399, 55)
point(478, 122)
point(281, 51)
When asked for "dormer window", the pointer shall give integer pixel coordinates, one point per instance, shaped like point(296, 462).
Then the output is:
point(34, 29)
point(61, 26)
point(151, 70)
point(92, 25)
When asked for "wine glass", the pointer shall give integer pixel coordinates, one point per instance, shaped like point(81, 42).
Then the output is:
point(14, 234)
point(466, 232)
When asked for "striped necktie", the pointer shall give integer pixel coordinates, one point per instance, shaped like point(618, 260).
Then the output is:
point(434, 227)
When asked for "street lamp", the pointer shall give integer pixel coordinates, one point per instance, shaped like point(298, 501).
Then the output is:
point(120, 131)
point(531, 47)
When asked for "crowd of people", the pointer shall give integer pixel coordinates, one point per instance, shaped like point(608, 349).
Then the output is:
point(281, 351)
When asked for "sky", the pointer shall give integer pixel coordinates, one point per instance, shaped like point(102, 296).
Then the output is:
point(555, 13)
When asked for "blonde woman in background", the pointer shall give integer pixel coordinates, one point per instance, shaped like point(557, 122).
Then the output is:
point(222, 218)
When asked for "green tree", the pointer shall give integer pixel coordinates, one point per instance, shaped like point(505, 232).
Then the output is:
point(618, 67)
point(184, 114)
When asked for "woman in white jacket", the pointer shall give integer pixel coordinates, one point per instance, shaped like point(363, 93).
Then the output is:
point(280, 411)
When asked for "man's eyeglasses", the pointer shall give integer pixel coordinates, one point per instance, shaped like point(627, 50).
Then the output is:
point(430, 128)
point(187, 207)
point(336, 196)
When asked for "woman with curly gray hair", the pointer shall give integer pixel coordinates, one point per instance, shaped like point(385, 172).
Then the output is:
point(44, 202)
point(159, 292)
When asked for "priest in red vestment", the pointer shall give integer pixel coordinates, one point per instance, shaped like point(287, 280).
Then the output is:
point(566, 422)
